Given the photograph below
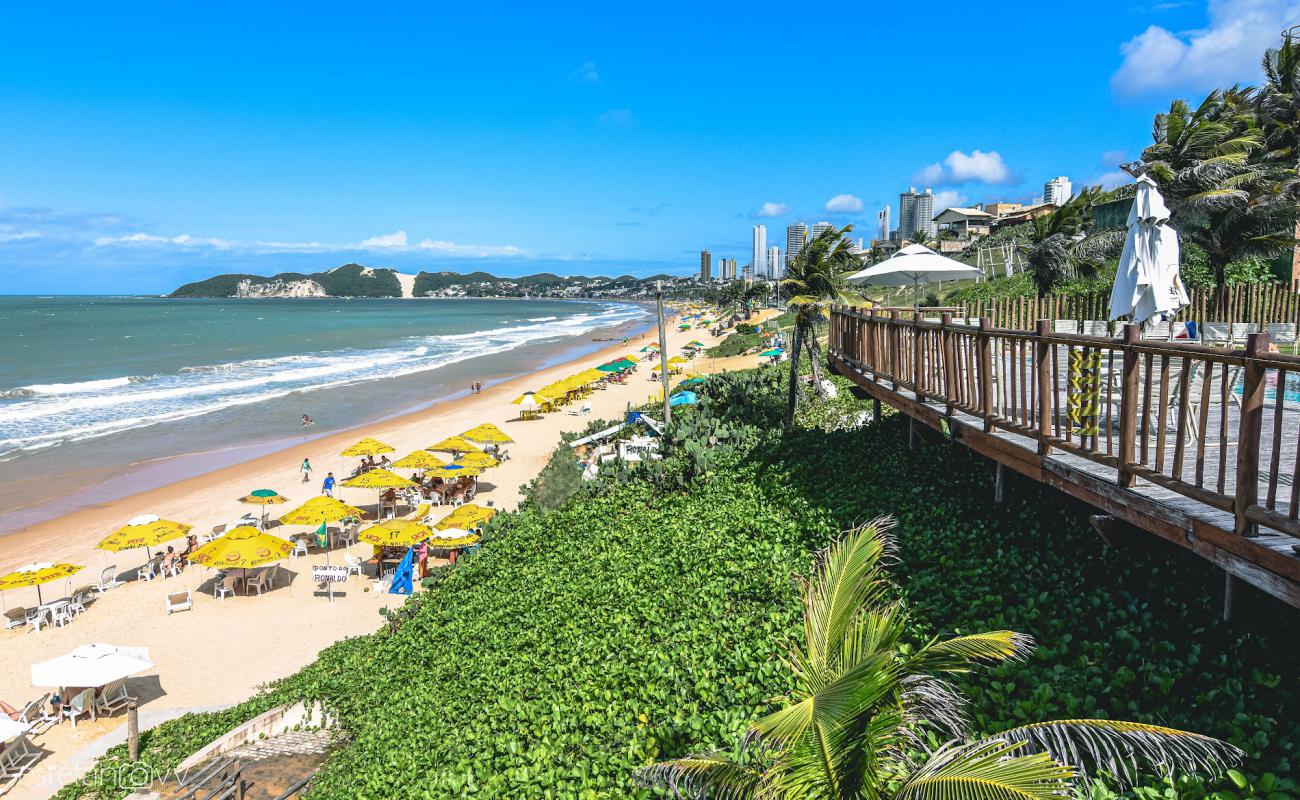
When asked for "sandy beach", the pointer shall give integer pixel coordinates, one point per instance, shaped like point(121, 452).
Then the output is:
point(219, 652)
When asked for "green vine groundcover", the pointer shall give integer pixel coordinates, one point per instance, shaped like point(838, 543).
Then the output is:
point(644, 617)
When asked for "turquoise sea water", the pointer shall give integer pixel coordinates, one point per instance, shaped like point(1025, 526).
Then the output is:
point(90, 384)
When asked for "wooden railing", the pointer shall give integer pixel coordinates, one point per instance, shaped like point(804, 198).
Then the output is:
point(1212, 424)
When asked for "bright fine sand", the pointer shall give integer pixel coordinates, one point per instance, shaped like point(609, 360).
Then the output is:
point(219, 653)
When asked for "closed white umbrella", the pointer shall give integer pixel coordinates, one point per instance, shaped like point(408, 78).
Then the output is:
point(912, 266)
point(1147, 284)
point(91, 665)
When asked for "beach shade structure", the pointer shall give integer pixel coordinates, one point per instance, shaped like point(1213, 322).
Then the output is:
point(91, 665)
point(244, 548)
point(367, 447)
point(419, 459)
point(775, 352)
point(693, 380)
point(144, 531)
point(685, 326)
point(632, 358)
point(37, 575)
point(487, 433)
point(452, 538)
point(395, 533)
point(453, 444)
point(264, 498)
point(455, 470)
point(610, 367)
point(476, 459)
point(683, 398)
point(10, 728)
point(378, 479)
point(678, 361)
point(528, 403)
point(650, 347)
point(912, 266)
point(468, 515)
point(1147, 284)
point(525, 399)
point(319, 510)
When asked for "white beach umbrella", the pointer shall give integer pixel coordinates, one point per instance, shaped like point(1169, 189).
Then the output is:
point(91, 665)
point(9, 728)
point(1147, 284)
point(912, 266)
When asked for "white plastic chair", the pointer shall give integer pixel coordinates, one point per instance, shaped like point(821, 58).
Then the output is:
point(299, 548)
point(353, 564)
point(108, 578)
point(112, 698)
point(81, 705)
point(179, 601)
point(225, 585)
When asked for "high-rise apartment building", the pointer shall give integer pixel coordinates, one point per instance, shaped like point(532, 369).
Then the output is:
point(1057, 191)
point(727, 268)
point(882, 217)
point(706, 266)
point(915, 213)
point(818, 228)
point(759, 257)
point(773, 270)
point(794, 239)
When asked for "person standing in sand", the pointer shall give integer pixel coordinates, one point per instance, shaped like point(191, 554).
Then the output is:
point(327, 488)
point(306, 470)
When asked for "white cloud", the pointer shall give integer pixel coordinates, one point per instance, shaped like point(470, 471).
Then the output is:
point(617, 116)
point(183, 240)
point(949, 198)
point(383, 242)
point(1226, 51)
point(768, 210)
point(844, 204)
point(471, 250)
point(19, 237)
point(974, 167)
point(585, 74)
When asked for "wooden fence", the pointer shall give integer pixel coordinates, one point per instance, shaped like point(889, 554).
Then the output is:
point(1259, 304)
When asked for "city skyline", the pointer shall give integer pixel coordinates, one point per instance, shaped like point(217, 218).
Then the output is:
point(152, 152)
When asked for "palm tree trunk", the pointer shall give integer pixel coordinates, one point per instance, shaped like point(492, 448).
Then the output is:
point(815, 355)
point(793, 397)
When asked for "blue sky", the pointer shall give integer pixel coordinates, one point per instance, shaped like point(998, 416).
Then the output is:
point(144, 145)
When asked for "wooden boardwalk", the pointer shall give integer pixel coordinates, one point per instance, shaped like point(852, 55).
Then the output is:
point(1194, 444)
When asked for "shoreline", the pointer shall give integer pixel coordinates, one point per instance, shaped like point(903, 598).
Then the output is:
point(113, 482)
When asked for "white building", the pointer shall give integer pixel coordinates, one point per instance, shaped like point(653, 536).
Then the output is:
point(773, 263)
point(1058, 191)
point(760, 250)
point(882, 217)
point(819, 228)
point(794, 238)
point(915, 213)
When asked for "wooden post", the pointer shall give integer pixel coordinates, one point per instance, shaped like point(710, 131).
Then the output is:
point(916, 356)
point(950, 377)
point(133, 731)
point(1248, 432)
point(1046, 396)
point(985, 348)
point(1128, 405)
point(911, 433)
point(894, 360)
point(1229, 596)
point(999, 483)
point(875, 409)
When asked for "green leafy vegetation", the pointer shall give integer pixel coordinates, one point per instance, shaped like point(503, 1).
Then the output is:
point(643, 616)
point(349, 280)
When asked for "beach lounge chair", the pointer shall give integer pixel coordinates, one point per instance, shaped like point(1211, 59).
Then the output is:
point(15, 617)
point(112, 698)
point(16, 760)
point(108, 578)
point(34, 716)
point(180, 601)
point(258, 580)
point(82, 705)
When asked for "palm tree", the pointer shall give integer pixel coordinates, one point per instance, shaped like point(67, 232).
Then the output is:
point(1062, 246)
point(858, 723)
point(816, 278)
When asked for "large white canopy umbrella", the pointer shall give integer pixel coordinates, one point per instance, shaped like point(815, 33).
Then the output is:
point(9, 728)
point(1147, 284)
point(91, 665)
point(912, 266)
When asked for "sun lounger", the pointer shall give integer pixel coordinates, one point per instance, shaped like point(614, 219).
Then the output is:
point(16, 760)
point(80, 706)
point(108, 578)
point(34, 715)
point(180, 601)
point(112, 698)
point(15, 617)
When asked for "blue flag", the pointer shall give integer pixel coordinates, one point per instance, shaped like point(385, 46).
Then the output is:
point(403, 575)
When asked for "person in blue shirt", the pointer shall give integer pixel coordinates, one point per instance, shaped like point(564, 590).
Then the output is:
point(327, 488)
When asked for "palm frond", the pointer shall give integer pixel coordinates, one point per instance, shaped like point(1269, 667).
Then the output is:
point(846, 579)
point(961, 653)
point(936, 702)
point(1122, 748)
point(988, 770)
point(832, 705)
point(704, 775)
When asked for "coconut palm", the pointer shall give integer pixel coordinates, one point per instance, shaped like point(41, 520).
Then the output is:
point(816, 278)
point(858, 722)
point(1062, 245)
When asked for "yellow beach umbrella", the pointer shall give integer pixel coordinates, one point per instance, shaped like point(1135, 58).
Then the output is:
point(487, 433)
point(144, 531)
point(395, 533)
point(244, 547)
point(36, 575)
point(454, 444)
point(480, 460)
point(678, 360)
point(264, 497)
point(467, 516)
point(525, 398)
point(455, 470)
point(591, 375)
point(367, 447)
point(420, 459)
point(452, 537)
point(378, 479)
point(319, 510)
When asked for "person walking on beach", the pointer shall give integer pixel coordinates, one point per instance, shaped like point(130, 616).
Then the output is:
point(327, 488)
point(306, 470)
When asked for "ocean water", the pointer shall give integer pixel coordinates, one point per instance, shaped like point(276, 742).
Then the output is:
point(93, 385)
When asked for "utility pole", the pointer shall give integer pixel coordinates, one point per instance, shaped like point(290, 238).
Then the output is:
point(663, 352)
